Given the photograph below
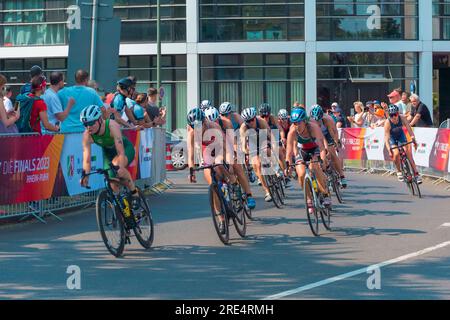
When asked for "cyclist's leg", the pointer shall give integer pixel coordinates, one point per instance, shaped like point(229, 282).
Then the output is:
point(409, 155)
point(256, 163)
point(335, 160)
point(282, 157)
point(396, 154)
point(242, 178)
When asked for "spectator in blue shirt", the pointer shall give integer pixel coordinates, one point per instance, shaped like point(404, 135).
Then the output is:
point(34, 72)
point(55, 111)
point(84, 97)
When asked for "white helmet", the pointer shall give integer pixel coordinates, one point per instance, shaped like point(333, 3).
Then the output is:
point(91, 113)
point(283, 114)
point(205, 104)
point(211, 114)
point(225, 108)
point(248, 114)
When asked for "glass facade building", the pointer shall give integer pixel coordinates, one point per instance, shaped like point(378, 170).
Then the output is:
point(253, 51)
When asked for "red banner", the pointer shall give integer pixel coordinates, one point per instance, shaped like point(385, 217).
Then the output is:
point(134, 138)
point(439, 154)
point(28, 167)
point(353, 144)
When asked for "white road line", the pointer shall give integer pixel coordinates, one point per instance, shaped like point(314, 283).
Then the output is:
point(356, 272)
point(447, 224)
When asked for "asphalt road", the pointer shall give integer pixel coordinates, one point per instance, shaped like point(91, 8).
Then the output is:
point(280, 258)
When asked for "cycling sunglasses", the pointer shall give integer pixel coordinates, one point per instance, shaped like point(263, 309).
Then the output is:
point(393, 115)
point(89, 123)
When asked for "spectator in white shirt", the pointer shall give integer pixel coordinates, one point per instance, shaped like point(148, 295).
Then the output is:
point(7, 99)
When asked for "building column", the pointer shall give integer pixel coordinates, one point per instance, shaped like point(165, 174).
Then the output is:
point(192, 59)
point(426, 56)
point(310, 55)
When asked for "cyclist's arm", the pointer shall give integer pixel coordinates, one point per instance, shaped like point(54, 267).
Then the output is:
point(190, 147)
point(408, 127)
point(316, 132)
point(87, 142)
point(387, 135)
point(130, 115)
point(228, 142)
point(280, 129)
point(291, 141)
point(118, 139)
point(243, 135)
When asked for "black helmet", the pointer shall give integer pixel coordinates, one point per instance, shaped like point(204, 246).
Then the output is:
point(264, 109)
point(125, 83)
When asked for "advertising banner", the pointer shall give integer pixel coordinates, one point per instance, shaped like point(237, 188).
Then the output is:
point(72, 164)
point(374, 143)
point(28, 167)
point(353, 144)
point(145, 154)
point(425, 138)
point(439, 153)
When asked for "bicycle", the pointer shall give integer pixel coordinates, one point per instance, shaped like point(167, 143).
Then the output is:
point(120, 218)
point(334, 182)
point(310, 187)
point(407, 171)
point(273, 183)
point(231, 203)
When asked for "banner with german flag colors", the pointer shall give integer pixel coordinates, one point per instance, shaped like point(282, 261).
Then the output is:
point(134, 137)
point(352, 140)
point(439, 154)
point(28, 167)
point(425, 138)
point(374, 143)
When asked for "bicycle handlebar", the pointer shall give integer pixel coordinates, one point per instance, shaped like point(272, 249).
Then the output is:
point(402, 145)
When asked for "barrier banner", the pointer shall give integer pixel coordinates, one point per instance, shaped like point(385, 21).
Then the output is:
point(352, 140)
point(439, 153)
point(28, 167)
point(72, 165)
point(134, 137)
point(425, 138)
point(146, 154)
point(374, 143)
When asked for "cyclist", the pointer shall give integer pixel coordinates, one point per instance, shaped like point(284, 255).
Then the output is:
point(117, 149)
point(212, 114)
point(121, 103)
point(265, 113)
point(226, 112)
point(305, 142)
point(394, 136)
point(329, 130)
point(252, 121)
point(196, 119)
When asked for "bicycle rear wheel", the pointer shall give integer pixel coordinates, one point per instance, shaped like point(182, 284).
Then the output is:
point(336, 187)
point(239, 214)
point(313, 218)
point(325, 214)
point(408, 175)
point(110, 223)
point(273, 190)
point(144, 223)
point(216, 201)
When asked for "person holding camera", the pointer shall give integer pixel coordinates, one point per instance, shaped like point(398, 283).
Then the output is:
point(7, 118)
point(358, 120)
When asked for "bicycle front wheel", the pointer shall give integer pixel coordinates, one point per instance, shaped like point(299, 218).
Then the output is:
point(219, 213)
point(110, 224)
point(408, 175)
point(313, 217)
point(144, 223)
point(273, 190)
point(336, 187)
point(239, 217)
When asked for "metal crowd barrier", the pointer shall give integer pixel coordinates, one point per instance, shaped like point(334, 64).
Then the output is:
point(40, 209)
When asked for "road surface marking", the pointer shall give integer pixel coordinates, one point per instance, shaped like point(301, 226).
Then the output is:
point(447, 224)
point(356, 272)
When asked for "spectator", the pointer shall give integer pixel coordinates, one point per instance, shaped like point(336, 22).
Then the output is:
point(7, 99)
point(34, 72)
point(7, 119)
point(54, 107)
point(357, 120)
point(157, 116)
point(93, 84)
point(421, 116)
point(337, 111)
point(84, 97)
point(133, 93)
point(395, 97)
point(141, 116)
point(379, 116)
point(121, 103)
point(39, 109)
point(407, 103)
